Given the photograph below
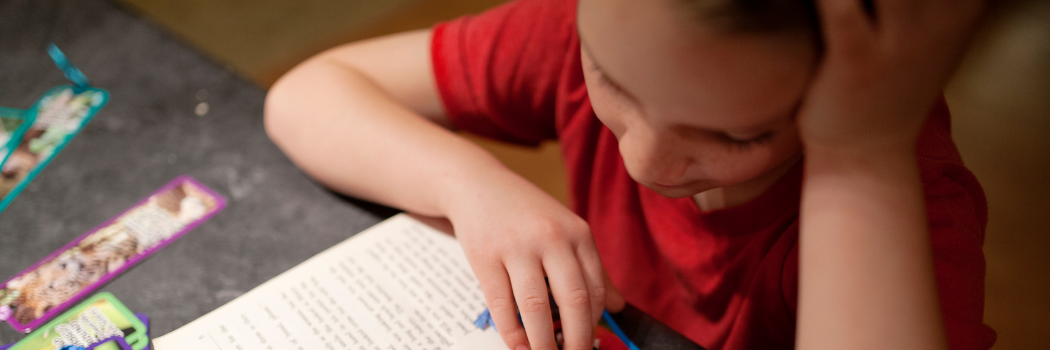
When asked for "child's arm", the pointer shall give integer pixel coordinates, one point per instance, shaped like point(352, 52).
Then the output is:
point(866, 277)
point(351, 118)
point(356, 119)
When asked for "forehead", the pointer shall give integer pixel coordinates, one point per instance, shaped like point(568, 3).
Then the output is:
point(677, 68)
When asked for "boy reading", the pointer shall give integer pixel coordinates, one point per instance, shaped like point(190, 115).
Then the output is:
point(756, 174)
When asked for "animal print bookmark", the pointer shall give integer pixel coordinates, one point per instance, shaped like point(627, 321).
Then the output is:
point(80, 267)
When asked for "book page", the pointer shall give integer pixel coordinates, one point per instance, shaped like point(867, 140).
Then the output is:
point(477, 339)
point(398, 285)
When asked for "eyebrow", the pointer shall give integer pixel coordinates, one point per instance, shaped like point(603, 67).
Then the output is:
point(608, 79)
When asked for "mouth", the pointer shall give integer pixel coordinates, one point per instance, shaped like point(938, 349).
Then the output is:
point(681, 189)
point(665, 185)
point(676, 185)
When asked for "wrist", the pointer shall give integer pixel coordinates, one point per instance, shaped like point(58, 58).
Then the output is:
point(472, 183)
point(877, 180)
point(822, 158)
point(861, 173)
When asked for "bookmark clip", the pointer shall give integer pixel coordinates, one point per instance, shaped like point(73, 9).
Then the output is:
point(68, 69)
point(114, 340)
point(484, 321)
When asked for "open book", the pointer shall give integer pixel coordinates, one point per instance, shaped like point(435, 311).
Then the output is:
point(401, 284)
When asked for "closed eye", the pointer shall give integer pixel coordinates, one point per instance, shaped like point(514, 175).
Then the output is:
point(605, 81)
point(745, 144)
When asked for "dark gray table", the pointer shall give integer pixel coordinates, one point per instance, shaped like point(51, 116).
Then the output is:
point(147, 135)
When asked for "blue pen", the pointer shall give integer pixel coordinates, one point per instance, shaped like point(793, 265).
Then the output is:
point(619, 332)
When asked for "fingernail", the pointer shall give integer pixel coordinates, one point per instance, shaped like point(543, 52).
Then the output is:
point(522, 347)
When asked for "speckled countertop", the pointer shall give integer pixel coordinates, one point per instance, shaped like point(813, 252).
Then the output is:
point(149, 133)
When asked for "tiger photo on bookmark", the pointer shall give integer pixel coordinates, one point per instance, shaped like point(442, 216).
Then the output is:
point(82, 266)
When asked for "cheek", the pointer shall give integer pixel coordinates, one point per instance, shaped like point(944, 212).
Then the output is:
point(728, 166)
point(705, 162)
point(638, 156)
point(614, 117)
point(608, 107)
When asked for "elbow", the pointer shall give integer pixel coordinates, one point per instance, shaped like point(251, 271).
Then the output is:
point(279, 112)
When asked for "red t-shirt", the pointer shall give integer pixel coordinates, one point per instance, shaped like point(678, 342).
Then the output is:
point(727, 279)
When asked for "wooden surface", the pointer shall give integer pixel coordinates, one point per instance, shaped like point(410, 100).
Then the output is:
point(1000, 103)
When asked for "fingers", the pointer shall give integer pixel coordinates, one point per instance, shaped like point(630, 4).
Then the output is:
point(839, 14)
point(896, 12)
point(614, 301)
point(573, 296)
point(845, 24)
point(903, 18)
point(500, 299)
point(594, 274)
point(530, 291)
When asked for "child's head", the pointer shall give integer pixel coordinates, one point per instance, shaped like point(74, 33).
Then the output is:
point(700, 93)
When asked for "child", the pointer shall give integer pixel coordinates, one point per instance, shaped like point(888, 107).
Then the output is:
point(751, 173)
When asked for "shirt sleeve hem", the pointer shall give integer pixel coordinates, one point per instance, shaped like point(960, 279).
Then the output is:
point(444, 58)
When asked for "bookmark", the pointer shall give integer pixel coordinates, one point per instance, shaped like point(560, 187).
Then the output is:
point(85, 264)
point(100, 322)
point(120, 342)
point(31, 138)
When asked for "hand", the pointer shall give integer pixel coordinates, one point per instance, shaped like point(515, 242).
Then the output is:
point(862, 211)
point(514, 235)
point(881, 75)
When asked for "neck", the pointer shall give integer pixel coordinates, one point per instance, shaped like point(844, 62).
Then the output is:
point(731, 196)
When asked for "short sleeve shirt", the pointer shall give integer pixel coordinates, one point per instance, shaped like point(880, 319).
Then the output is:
point(727, 279)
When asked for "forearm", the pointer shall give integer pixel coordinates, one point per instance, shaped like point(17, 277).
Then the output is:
point(346, 132)
point(866, 275)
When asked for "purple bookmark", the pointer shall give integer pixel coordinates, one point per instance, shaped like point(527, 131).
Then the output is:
point(98, 256)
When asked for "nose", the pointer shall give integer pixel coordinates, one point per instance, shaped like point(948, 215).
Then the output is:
point(657, 159)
